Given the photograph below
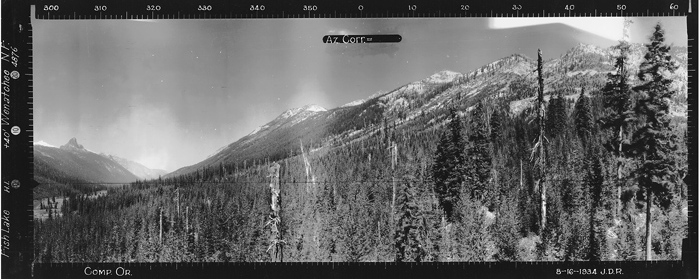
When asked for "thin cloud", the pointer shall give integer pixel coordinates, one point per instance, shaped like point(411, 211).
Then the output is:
point(607, 27)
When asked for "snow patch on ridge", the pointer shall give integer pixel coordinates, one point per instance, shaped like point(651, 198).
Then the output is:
point(43, 143)
point(258, 129)
point(314, 108)
point(443, 77)
point(353, 103)
point(292, 112)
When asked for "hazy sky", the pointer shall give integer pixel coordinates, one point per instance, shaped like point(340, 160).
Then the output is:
point(168, 93)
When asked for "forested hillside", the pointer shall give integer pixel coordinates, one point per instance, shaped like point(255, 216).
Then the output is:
point(582, 157)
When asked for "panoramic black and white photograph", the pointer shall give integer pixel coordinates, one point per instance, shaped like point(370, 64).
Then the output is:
point(469, 140)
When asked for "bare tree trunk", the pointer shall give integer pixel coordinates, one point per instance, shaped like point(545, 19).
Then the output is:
point(379, 241)
point(648, 225)
point(275, 221)
point(309, 175)
point(393, 179)
point(543, 202)
point(521, 173)
point(538, 152)
point(160, 235)
point(618, 202)
point(592, 255)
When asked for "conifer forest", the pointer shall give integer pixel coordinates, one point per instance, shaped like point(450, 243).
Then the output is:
point(591, 168)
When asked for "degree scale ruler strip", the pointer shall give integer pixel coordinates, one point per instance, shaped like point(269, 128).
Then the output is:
point(218, 9)
point(17, 155)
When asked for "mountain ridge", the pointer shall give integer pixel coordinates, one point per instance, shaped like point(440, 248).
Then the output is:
point(73, 160)
point(510, 77)
point(139, 170)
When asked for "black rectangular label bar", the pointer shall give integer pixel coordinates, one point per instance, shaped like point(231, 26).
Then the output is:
point(361, 39)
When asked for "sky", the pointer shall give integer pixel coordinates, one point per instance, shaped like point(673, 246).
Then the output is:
point(169, 93)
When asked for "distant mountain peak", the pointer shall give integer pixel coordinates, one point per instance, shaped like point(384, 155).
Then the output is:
point(73, 161)
point(73, 144)
point(297, 113)
point(139, 170)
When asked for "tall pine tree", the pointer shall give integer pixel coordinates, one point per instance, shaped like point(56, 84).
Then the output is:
point(616, 100)
point(496, 123)
point(654, 143)
point(448, 168)
point(409, 233)
point(478, 154)
point(583, 118)
point(594, 180)
point(556, 115)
